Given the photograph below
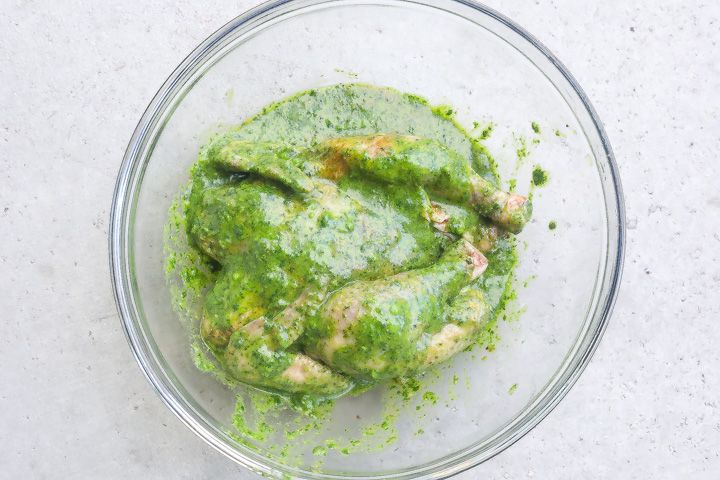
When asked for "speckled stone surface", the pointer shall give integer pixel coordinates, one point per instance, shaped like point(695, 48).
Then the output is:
point(74, 79)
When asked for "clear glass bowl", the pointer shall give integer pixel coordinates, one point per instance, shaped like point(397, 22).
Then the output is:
point(452, 52)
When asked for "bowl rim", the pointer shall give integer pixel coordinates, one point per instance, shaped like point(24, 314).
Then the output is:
point(120, 235)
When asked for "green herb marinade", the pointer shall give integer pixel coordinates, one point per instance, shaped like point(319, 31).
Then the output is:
point(305, 120)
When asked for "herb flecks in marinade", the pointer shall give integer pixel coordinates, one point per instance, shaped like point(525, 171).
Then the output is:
point(351, 226)
point(539, 176)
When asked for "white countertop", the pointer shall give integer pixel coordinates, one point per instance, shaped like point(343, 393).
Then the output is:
point(74, 80)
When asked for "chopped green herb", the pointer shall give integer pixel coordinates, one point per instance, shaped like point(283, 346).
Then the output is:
point(430, 397)
point(539, 176)
point(319, 451)
point(487, 131)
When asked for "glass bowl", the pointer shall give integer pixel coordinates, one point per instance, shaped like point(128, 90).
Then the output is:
point(452, 52)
